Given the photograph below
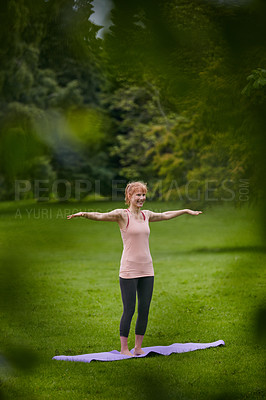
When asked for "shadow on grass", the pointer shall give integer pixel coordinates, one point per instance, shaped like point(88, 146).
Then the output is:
point(238, 249)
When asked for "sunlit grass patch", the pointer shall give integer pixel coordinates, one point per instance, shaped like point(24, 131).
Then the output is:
point(60, 295)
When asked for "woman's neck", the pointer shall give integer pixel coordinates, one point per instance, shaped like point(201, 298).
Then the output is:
point(134, 210)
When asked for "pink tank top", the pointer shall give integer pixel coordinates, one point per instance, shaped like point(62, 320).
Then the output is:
point(136, 259)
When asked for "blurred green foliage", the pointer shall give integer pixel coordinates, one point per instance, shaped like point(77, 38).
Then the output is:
point(173, 93)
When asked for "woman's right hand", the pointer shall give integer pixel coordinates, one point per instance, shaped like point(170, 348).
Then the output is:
point(80, 214)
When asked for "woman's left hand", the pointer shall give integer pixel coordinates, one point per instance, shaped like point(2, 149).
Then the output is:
point(191, 212)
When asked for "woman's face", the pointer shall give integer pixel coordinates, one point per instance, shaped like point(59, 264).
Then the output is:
point(138, 198)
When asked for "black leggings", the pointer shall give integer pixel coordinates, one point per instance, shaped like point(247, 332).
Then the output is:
point(144, 287)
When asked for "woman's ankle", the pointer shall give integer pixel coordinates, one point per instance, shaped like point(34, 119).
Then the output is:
point(124, 343)
point(138, 341)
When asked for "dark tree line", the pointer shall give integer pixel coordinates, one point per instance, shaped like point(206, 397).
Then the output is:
point(174, 94)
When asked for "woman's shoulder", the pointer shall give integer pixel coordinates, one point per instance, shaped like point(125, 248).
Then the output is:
point(120, 211)
point(146, 213)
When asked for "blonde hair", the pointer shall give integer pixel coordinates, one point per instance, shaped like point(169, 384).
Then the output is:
point(132, 188)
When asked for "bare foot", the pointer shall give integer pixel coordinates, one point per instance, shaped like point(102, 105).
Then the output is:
point(126, 353)
point(138, 352)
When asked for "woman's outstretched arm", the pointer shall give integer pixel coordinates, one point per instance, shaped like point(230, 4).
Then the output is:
point(154, 217)
point(112, 216)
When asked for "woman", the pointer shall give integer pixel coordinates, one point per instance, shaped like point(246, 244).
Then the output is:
point(136, 267)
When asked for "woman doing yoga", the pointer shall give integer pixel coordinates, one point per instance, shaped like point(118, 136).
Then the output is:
point(136, 267)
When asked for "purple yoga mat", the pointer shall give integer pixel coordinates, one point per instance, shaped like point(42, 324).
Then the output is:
point(114, 355)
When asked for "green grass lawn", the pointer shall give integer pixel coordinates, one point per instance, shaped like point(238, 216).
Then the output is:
point(60, 295)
